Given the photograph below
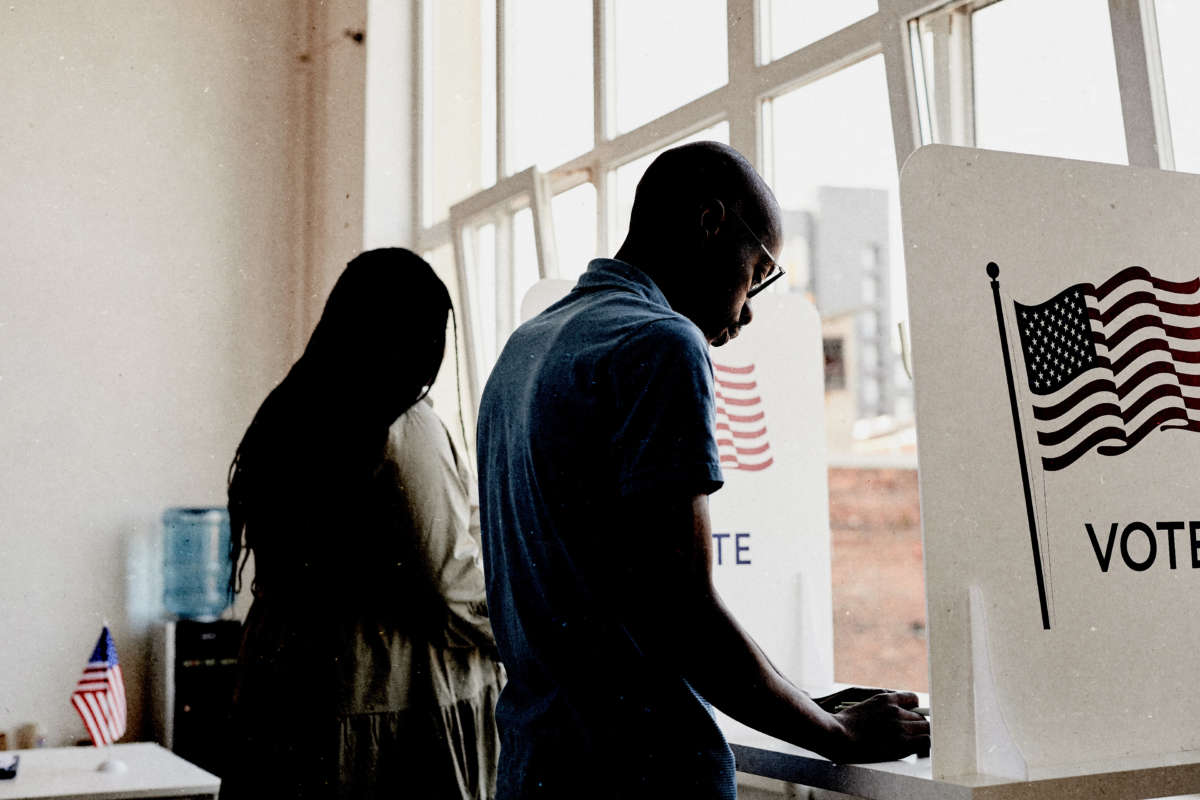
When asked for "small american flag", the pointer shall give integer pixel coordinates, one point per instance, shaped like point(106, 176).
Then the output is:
point(741, 422)
point(100, 695)
point(1109, 364)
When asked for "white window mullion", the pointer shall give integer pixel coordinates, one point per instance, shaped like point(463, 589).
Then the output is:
point(466, 322)
point(602, 54)
point(897, 60)
point(497, 206)
point(505, 299)
point(544, 241)
point(1140, 81)
point(422, 122)
point(501, 90)
point(433, 237)
point(952, 109)
point(603, 105)
point(823, 57)
point(743, 38)
point(606, 205)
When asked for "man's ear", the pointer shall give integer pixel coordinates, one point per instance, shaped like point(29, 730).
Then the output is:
point(712, 217)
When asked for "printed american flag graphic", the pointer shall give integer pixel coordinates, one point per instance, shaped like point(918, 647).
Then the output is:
point(100, 694)
point(1108, 364)
point(741, 422)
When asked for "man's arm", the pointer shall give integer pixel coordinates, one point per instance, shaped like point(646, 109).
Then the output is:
point(676, 615)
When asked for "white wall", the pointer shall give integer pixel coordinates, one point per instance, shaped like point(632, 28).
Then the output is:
point(159, 228)
point(335, 103)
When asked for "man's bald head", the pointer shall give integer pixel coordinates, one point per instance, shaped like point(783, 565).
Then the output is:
point(687, 233)
point(681, 180)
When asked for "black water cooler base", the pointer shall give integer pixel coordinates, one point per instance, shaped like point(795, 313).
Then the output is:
point(194, 666)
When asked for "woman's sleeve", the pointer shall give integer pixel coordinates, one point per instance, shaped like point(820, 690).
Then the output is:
point(440, 495)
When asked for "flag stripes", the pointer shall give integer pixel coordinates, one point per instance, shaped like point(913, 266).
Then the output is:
point(1109, 364)
point(99, 696)
point(741, 422)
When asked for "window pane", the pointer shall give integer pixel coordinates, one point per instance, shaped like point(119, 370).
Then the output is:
point(501, 266)
point(1178, 25)
point(657, 71)
point(1033, 94)
point(481, 275)
point(792, 24)
point(549, 89)
point(452, 375)
point(459, 95)
point(525, 263)
point(626, 177)
point(835, 179)
point(575, 229)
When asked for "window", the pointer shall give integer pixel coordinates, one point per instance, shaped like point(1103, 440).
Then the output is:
point(868, 324)
point(656, 73)
point(839, 179)
point(444, 393)
point(557, 66)
point(819, 110)
point(574, 214)
point(791, 24)
point(459, 99)
point(1178, 22)
point(837, 182)
point(979, 87)
point(1030, 99)
point(835, 364)
point(503, 242)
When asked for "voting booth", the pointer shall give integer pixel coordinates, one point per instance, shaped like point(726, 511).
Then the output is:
point(1055, 326)
point(770, 521)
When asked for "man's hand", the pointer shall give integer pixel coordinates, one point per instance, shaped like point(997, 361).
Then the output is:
point(841, 700)
point(881, 728)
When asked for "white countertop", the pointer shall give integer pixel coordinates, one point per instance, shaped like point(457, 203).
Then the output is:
point(70, 772)
point(1131, 778)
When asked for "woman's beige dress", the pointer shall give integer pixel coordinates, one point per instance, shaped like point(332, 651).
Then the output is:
point(390, 692)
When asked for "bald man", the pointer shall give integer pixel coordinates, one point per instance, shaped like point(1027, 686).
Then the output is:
point(596, 458)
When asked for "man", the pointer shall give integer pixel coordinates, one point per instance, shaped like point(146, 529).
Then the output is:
point(597, 455)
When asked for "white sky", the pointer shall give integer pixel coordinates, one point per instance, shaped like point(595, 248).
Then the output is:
point(1178, 24)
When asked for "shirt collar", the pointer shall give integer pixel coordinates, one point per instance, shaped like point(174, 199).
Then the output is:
point(611, 273)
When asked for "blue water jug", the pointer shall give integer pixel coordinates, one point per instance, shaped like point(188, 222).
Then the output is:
point(196, 562)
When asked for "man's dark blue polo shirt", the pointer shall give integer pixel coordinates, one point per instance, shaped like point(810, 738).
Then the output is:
point(604, 396)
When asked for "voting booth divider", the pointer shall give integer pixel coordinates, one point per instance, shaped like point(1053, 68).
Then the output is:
point(1055, 325)
point(770, 521)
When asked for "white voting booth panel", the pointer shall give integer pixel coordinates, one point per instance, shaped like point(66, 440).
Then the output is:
point(771, 519)
point(1057, 420)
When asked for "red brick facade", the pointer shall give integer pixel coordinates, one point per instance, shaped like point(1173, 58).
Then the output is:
point(878, 578)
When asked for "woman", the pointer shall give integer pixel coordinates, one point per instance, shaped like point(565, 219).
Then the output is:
point(368, 666)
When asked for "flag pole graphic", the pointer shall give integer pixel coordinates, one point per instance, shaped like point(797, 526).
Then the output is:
point(993, 272)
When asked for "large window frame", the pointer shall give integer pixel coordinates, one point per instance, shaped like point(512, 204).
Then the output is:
point(496, 206)
point(922, 42)
point(948, 117)
point(890, 31)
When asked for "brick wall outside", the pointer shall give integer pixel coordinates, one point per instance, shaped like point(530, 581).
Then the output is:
point(878, 578)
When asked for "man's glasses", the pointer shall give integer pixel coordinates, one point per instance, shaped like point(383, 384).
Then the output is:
point(775, 273)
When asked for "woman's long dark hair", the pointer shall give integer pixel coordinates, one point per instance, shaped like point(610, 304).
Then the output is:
point(299, 476)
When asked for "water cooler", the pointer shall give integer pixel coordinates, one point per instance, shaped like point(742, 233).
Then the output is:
point(194, 653)
point(195, 665)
